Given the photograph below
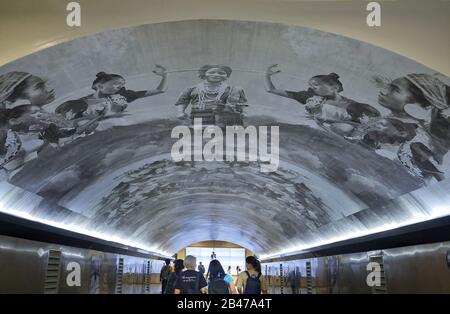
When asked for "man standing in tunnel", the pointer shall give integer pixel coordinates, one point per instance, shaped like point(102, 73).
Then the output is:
point(201, 269)
point(190, 281)
point(164, 275)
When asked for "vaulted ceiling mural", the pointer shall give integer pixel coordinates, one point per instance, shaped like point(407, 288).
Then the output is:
point(88, 129)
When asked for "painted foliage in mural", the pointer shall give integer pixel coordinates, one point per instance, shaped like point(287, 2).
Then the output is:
point(87, 126)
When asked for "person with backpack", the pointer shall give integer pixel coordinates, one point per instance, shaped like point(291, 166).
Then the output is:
point(219, 281)
point(164, 274)
point(173, 276)
point(251, 280)
point(190, 281)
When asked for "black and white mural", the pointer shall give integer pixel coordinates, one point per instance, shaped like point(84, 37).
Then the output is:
point(85, 128)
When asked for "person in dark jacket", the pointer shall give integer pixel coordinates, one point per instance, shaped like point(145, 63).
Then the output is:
point(164, 274)
point(173, 276)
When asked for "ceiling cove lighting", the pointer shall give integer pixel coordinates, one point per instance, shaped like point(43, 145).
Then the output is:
point(84, 231)
point(437, 212)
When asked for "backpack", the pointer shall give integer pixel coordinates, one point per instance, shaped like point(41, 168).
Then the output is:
point(253, 284)
point(171, 281)
point(218, 286)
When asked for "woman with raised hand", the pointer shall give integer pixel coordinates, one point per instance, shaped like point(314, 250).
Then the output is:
point(324, 103)
point(110, 97)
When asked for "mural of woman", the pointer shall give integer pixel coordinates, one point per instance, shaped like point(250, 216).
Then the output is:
point(24, 86)
point(324, 103)
point(418, 144)
point(213, 100)
point(110, 98)
point(430, 92)
point(24, 126)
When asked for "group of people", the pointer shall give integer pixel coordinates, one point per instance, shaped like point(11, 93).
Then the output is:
point(420, 144)
point(26, 128)
point(182, 278)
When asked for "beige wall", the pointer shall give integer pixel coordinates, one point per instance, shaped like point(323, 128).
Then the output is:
point(417, 29)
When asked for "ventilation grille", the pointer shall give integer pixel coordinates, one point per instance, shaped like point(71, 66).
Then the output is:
point(147, 277)
point(309, 289)
point(53, 272)
point(119, 278)
point(382, 287)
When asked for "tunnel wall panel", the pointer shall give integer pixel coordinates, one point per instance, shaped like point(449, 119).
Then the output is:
point(23, 266)
point(413, 269)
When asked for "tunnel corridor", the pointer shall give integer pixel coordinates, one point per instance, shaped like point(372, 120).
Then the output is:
point(324, 157)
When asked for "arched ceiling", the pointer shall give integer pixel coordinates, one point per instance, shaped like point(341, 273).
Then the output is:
point(121, 182)
point(416, 29)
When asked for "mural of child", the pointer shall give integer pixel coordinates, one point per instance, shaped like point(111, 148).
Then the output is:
point(109, 99)
point(213, 100)
point(324, 103)
point(419, 145)
point(430, 92)
point(25, 126)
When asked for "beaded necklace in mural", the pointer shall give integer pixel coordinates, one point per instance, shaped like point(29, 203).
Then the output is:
point(204, 92)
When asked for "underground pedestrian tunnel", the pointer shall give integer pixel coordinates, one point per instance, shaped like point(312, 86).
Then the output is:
point(88, 172)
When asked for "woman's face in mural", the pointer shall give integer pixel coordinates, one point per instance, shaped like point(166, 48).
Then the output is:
point(111, 87)
point(396, 95)
point(216, 75)
point(37, 91)
point(321, 89)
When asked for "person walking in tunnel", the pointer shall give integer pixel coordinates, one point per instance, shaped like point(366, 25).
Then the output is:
point(164, 274)
point(251, 280)
point(190, 281)
point(201, 269)
point(324, 103)
point(218, 281)
point(173, 276)
point(293, 279)
point(213, 100)
point(110, 98)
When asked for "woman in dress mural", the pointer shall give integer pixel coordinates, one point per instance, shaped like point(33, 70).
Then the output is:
point(213, 100)
point(110, 98)
point(324, 103)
